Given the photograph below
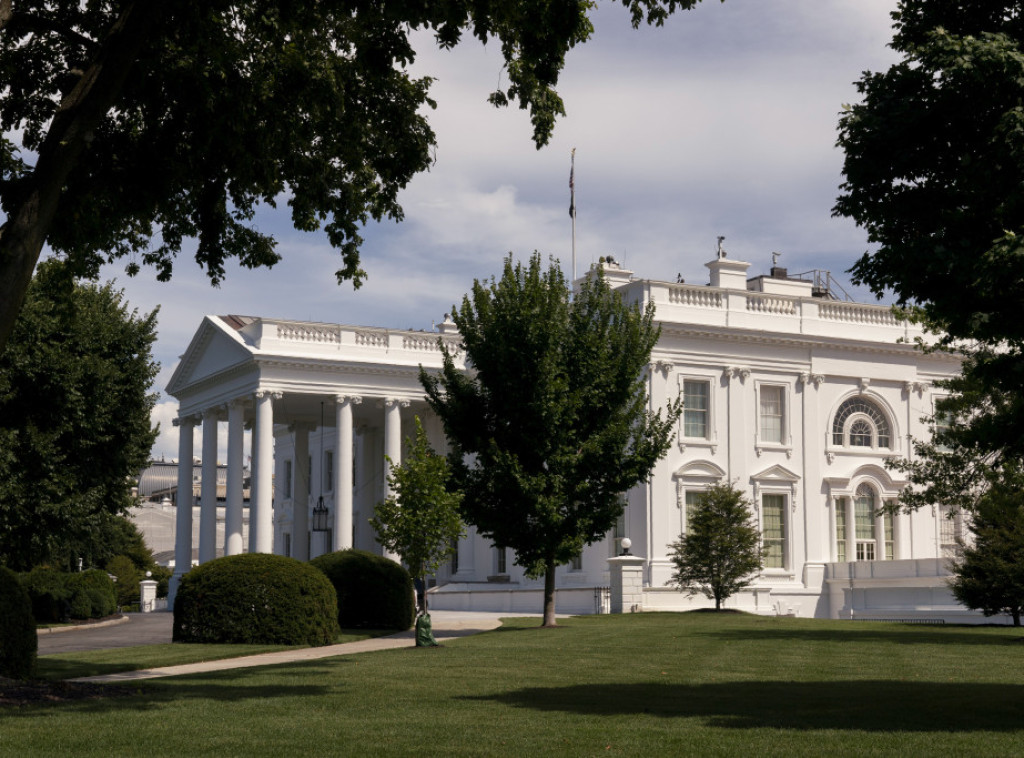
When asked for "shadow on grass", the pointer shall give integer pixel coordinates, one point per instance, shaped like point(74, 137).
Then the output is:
point(223, 686)
point(865, 632)
point(871, 706)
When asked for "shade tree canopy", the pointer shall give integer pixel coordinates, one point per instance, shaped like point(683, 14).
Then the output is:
point(75, 402)
point(132, 129)
point(550, 424)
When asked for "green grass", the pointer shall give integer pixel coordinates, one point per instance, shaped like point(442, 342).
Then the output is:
point(110, 661)
point(647, 684)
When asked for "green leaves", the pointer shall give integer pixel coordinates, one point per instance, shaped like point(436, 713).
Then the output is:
point(420, 521)
point(549, 426)
point(720, 553)
point(75, 401)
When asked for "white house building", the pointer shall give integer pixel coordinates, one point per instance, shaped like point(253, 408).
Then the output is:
point(796, 398)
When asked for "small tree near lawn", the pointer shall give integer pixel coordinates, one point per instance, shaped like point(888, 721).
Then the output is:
point(721, 551)
point(420, 520)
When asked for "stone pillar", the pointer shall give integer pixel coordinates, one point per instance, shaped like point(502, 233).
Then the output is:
point(147, 596)
point(343, 474)
point(879, 536)
point(261, 503)
point(392, 445)
point(392, 437)
point(183, 515)
point(233, 509)
point(208, 493)
point(300, 494)
point(851, 527)
point(627, 583)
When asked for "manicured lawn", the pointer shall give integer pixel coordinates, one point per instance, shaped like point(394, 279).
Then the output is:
point(96, 662)
point(650, 684)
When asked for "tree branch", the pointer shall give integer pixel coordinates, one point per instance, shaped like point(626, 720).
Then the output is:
point(28, 224)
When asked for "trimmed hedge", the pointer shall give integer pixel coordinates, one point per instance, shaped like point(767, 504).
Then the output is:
point(93, 594)
point(18, 642)
point(373, 592)
point(256, 598)
point(48, 594)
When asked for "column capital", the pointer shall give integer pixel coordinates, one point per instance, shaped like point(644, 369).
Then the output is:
point(239, 402)
point(191, 419)
point(272, 394)
point(350, 399)
point(390, 402)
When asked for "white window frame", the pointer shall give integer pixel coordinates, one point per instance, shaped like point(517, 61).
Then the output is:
point(785, 443)
point(786, 496)
point(710, 438)
point(834, 448)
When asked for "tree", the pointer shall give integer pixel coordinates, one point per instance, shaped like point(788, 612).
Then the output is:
point(989, 574)
point(934, 155)
point(75, 428)
point(420, 520)
point(721, 551)
point(155, 123)
point(549, 426)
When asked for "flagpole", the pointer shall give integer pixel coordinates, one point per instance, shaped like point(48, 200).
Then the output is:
point(572, 206)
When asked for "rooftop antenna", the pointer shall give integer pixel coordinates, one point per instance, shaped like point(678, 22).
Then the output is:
point(775, 259)
point(721, 250)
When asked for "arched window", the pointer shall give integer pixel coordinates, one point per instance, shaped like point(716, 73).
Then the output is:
point(859, 422)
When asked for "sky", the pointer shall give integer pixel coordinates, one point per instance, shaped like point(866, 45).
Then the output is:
point(722, 122)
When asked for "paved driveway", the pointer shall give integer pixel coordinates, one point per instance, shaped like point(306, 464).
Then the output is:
point(137, 629)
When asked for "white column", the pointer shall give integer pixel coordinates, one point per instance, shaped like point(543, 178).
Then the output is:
point(343, 471)
point(261, 503)
point(851, 527)
point(392, 445)
point(184, 498)
point(233, 510)
point(300, 494)
point(879, 536)
point(208, 493)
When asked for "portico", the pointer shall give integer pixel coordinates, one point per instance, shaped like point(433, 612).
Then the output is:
point(328, 408)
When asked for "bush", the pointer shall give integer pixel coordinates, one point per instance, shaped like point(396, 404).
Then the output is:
point(48, 594)
point(128, 578)
point(256, 598)
point(373, 592)
point(162, 576)
point(18, 643)
point(92, 594)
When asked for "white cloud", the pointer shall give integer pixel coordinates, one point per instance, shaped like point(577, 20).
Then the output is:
point(722, 122)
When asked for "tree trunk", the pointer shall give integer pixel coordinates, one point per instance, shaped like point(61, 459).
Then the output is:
point(549, 593)
point(24, 233)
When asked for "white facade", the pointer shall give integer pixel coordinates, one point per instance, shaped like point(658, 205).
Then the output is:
point(795, 399)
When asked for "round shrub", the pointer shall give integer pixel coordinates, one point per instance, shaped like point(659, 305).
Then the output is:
point(256, 598)
point(48, 594)
point(373, 592)
point(18, 643)
point(93, 594)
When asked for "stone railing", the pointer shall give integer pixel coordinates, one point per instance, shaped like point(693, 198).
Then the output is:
point(372, 338)
point(760, 303)
point(697, 297)
point(321, 333)
point(857, 313)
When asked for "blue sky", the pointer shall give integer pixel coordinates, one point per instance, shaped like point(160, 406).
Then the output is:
point(723, 122)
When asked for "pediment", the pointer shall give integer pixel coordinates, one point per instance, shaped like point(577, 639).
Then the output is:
point(776, 474)
point(214, 349)
point(699, 470)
